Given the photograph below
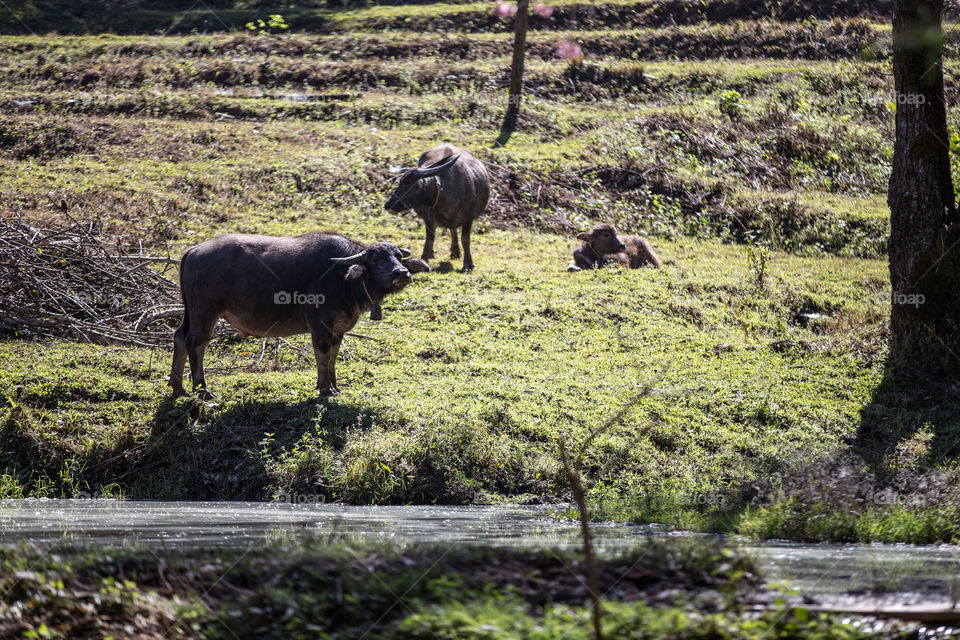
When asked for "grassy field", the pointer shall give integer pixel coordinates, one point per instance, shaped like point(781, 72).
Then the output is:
point(754, 154)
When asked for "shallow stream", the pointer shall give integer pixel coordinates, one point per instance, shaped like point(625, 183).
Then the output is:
point(864, 574)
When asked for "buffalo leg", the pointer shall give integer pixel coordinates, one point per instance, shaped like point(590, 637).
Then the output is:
point(325, 349)
point(179, 356)
point(454, 245)
point(581, 261)
point(467, 257)
point(332, 363)
point(196, 341)
point(429, 219)
point(428, 243)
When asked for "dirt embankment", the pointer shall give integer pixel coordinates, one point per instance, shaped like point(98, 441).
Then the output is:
point(143, 17)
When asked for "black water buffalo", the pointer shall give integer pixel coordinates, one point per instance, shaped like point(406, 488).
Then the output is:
point(271, 287)
point(448, 188)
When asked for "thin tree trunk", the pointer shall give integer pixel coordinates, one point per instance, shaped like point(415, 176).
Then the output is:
point(516, 69)
point(924, 249)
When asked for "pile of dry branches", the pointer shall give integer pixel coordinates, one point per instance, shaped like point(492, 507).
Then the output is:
point(67, 282)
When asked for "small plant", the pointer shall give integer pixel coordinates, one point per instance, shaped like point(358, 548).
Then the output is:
point(112, 491)
point(758, 258)
point(955, 161)
point(731, 104)
point(274, 24)
point(573, 469)
point(9, 486)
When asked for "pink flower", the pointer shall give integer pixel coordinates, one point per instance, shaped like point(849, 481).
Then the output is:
point(505, 9)
point(569, 50)
point(545, 11)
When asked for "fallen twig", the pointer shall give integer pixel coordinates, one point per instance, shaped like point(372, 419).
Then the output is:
point(67, 282)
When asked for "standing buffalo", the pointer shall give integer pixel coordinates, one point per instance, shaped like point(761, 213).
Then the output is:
point(271, 287)
point(602, 243)
point(448, 188)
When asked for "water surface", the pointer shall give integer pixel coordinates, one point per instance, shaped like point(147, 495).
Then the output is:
point(899, 574)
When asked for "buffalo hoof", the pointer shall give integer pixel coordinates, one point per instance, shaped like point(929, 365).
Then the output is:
point(454, 255)
point(177, 387)
point(467, 268)
point(176, 384)
point(204, 394)
point(329, 391)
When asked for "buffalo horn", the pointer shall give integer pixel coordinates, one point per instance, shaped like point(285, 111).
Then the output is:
point(357, 258)
point(435, 168)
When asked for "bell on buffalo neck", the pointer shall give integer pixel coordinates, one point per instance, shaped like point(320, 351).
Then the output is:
point(376, 313)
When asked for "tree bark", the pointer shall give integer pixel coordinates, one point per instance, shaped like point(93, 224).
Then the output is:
point(924, 238)
point(516, 69)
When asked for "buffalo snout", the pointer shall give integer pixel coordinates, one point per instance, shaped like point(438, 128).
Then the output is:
point(401, 278)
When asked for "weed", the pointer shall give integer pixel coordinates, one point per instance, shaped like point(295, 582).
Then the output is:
point(273, 24)
point(758, 260)
point(731, 104)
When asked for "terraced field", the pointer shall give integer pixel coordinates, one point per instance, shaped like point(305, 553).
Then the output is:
point(752, 145)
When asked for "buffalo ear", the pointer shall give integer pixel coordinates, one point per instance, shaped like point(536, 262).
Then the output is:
point(416, 265)
point(583, 235)
point(356, 272)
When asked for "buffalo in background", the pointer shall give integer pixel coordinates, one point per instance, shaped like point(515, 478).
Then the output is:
point(448, 188)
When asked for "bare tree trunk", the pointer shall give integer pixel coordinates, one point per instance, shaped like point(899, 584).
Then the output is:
point(924, 235)
point(516, 69)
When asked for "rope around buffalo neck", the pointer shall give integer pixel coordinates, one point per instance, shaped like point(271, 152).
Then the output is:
point(376, 313)
point(369, 297)
point(599, 255)
point(439, 191)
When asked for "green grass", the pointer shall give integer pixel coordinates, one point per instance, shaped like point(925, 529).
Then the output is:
point(897, 524)
point(41, 16)
point(473, 378)
point(340, 590)
point(765, 331)
point(787, 172)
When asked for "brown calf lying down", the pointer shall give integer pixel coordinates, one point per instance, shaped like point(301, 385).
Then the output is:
point(602, 245)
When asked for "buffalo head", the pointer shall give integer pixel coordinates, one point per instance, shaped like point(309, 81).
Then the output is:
point(412, 191)
point(603, 239)
point(383, 264)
